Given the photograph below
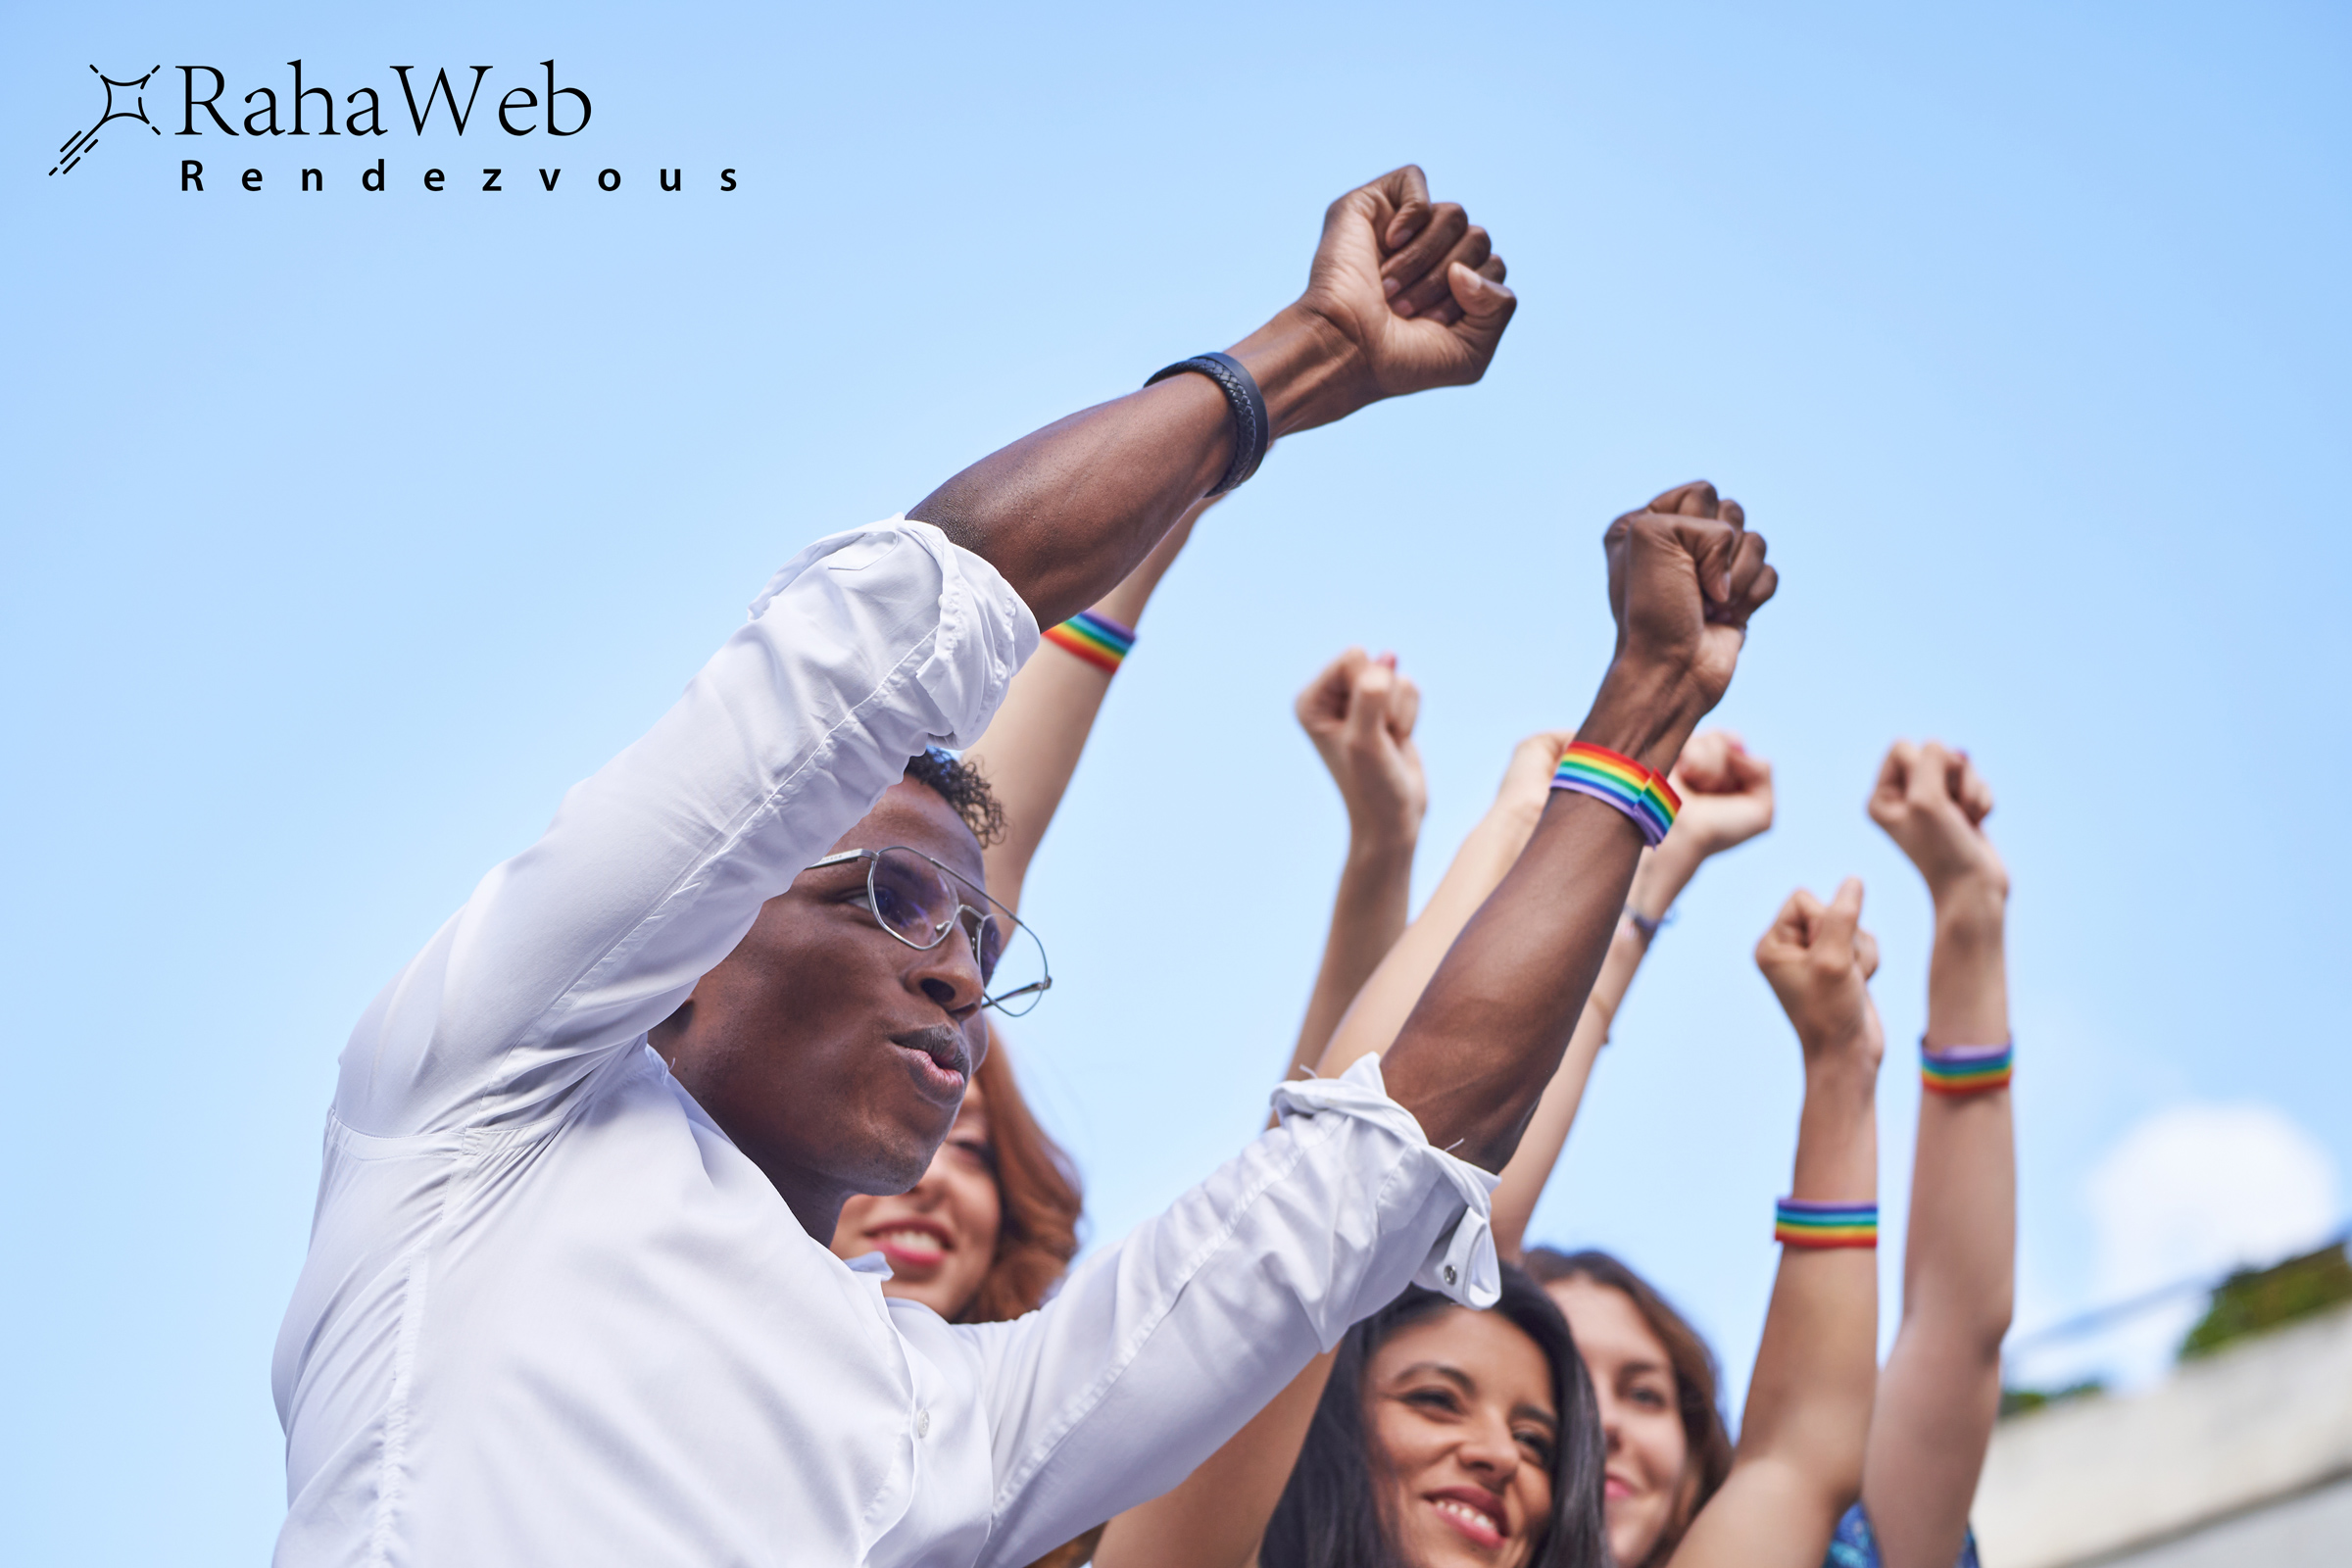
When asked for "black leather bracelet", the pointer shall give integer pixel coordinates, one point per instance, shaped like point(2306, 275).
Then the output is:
point(1253, 432)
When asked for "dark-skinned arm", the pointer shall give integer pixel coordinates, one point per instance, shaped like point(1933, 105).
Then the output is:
point(1677, 644)
point(1490, 1030)
point(1404, 295)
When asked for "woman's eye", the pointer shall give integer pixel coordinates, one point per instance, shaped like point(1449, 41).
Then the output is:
point(1649, 1399)
point(1539, 1447)
point(1432, 1399)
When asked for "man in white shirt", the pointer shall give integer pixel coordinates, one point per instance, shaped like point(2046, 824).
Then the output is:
point(569, 1298)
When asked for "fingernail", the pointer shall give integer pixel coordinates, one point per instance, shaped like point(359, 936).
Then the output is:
point(1404, 306)
point(1390, 286)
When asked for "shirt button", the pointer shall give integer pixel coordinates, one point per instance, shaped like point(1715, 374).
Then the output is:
point(1449, 1273)
point(922, 1423)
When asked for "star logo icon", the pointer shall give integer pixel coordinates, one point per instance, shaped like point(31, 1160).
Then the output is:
point(77, 146)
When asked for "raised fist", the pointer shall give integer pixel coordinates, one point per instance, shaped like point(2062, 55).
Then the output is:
point(1932, 802)
point(1818, 961)
point(1412, 285)
point(1727, 795)
point(1359, 713)
point(1685, 575)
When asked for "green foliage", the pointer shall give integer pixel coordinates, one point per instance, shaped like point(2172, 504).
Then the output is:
point(2253, 1300)
point(2017, 1402)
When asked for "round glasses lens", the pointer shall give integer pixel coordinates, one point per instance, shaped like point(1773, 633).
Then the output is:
point(911, 897)
point(1018, 980)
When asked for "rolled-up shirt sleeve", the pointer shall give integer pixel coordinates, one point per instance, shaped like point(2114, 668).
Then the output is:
point(864, 650)
point(1160, 1350)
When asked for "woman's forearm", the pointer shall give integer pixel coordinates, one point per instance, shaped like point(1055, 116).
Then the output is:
point(1367, 917)
point(1802, 1434)
point(1031, 749)
point(1940, 1391)
point(1385, 999)
point(1817, 1367)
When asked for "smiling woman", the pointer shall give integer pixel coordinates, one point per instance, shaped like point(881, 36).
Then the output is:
point(1447, 1436)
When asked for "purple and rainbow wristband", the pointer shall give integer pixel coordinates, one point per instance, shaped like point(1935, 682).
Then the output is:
point(1640, 793)
point(1098, 639)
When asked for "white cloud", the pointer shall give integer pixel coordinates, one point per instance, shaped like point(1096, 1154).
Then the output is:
point(2198, 1189)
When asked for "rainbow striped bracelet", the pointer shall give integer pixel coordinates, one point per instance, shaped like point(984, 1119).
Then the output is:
point(1965, 1069)
point(1640, 793)
point(1098, 639)
point(1824, 1225)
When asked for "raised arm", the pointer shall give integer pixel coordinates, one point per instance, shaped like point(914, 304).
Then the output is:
point(1490, 1030)
point(1032, 745)
point(1727, 800)
point(1943, 1384)
point(1359, 713)
point(1065, 513)
point(1683, 578)
point(1798, 1465)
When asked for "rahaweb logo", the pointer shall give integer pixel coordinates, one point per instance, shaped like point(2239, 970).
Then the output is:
point(539, 105)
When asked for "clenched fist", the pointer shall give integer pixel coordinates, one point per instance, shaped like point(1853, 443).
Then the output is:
point(1727, 795)
point(1684, 576)
point(1359, 714)
point(1404, 294)
point(1932, 802)
point(1818, 961)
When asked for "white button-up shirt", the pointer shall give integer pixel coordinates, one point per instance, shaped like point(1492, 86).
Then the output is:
point(551, 1314)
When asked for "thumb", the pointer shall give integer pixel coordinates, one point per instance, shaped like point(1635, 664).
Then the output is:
point(1404, 708)
point(1368, 704)
point(1485, 304)
point(1324, 703)
point(1842, 919)
point(1893, 782)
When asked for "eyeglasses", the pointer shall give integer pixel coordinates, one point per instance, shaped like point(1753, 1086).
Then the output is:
point(920, 901)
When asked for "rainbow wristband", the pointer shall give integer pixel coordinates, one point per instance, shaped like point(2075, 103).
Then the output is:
point(1965, 1069)
point(1640, 793)
point(1824, 1225)
point(1098, 639)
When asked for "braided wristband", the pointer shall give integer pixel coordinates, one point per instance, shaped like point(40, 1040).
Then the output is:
point(1822, 1226)
point(1640, 793)
point(1098, 639)
point(1965, 1069)
point(1253, 428)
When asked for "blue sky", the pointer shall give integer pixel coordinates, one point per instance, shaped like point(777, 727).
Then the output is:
point(346, 529)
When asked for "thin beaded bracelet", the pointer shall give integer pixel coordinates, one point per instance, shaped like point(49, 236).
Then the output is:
point(1640, 793)
point(1821, 1226)
point(1965, 1069)
point(1098, 639)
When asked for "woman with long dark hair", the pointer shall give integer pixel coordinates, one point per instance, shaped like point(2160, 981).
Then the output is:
point(1449, 1437)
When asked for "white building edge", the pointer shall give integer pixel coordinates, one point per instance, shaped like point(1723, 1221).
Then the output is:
point(2243, 1457)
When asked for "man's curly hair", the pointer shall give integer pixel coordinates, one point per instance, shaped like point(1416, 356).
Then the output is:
point(962, 787)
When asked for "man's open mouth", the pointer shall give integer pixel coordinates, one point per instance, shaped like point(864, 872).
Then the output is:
point(943, 1062)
